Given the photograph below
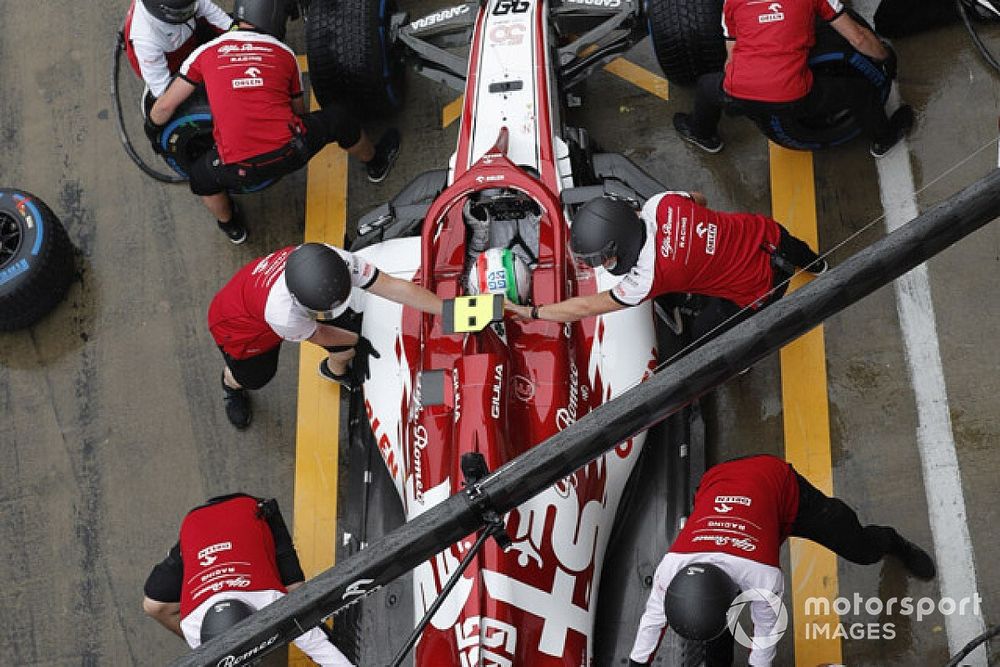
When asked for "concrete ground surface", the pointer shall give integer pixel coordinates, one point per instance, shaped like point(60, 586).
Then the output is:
point(112, 418)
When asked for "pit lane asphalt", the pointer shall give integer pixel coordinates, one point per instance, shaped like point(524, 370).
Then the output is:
point(113, 425)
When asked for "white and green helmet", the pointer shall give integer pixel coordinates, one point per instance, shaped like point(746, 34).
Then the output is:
point(500, 271)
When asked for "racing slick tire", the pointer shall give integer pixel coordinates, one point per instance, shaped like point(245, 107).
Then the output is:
point(831, 56)
point(36, 260)
point(188, 135)
point(351, 58)
point(687, 38)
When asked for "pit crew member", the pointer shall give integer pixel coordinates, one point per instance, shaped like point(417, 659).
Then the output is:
point(677, 245)
point(767, 72)
point(234, 556)
point(160, 34)
point(743, 511)
point(299, 294)
point(261, 129)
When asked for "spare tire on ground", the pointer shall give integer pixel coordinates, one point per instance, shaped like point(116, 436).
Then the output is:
point(687, 38)
point(351, 58)
point(36, 260)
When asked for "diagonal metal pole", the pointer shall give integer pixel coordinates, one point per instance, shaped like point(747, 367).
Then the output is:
point(634, 411)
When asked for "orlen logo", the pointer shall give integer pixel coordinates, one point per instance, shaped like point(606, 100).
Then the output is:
point(712, 231)
point(775, 15)
point(253, 79)
point(205, 557)
point(723, 503)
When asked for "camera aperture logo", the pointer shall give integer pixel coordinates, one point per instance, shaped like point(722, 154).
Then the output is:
point(752, 641)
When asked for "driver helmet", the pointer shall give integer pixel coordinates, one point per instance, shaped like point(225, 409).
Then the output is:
point(267, 16)
point(223, 615)
point(172, 11)
point(501, 271)
point(698, 599)
point(605, 229)
point(318, 279)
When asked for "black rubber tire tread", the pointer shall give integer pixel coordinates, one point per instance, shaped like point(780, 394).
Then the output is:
point(190, 140)
point(346, 61)
point(27, 298)
point(817, 133)
point(687, 38)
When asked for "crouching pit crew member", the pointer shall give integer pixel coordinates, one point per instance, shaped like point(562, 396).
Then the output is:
point(299, 294)
point(160, 34)
point(234, 556)
point(261, 129)
point(677, 245)
point(743, 511)
point(767, 72)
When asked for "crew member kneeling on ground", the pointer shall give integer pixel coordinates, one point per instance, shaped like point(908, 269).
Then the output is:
point(161, 34)
point(261, 129)
point(299, 294)
point(767, 72)
point(677, 245)
point(234, 556)
point(743, 511)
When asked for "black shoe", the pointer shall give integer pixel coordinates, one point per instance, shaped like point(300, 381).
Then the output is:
point(917, 561)
point(899, 126)
point(234, 229)
point(682, 123)
point(818, 268)
point(237, 406)
point(345, 380)
point(386, 152)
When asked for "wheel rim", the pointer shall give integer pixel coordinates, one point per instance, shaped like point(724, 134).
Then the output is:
point(10, 239)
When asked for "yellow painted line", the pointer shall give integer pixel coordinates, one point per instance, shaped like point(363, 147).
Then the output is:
point(806, 415)
point(452, 110)
point(303, 64)
point(640, 76)
point(318, 428)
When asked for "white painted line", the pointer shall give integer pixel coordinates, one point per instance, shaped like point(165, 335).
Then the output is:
point(939, 461)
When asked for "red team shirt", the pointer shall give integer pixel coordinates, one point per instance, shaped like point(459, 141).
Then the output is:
point(693, 249)
point(236, 315)
point(226, 547)
point(254, 311)
point(250, 79)
point(773, 38)
point(744, 508)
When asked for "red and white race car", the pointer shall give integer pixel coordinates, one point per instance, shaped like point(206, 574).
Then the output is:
point(433, 396)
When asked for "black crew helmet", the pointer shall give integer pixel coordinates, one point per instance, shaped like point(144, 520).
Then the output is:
point(605, 228)
point(318, 279)
point(223, 615)
point(172, 11)
point(697, 600)
point(267, 16)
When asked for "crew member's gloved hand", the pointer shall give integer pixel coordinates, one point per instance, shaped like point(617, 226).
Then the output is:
point(889, 64)
point(153, 134)
point(359, 365)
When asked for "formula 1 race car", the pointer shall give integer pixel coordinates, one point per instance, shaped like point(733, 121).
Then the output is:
point(497, 220)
